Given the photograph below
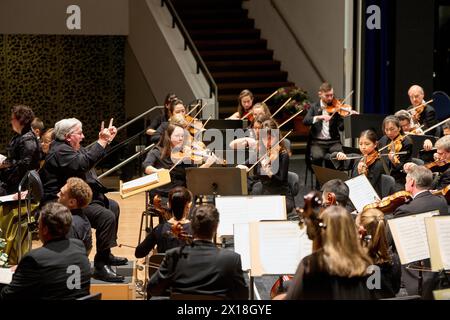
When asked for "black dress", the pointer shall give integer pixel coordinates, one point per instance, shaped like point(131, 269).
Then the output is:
point(312, 281)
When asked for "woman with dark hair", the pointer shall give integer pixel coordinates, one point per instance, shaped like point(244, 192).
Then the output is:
point(245, 105)
point(369, 163)
point(164, 116)
point(24, 150)
point(176, 106)
point(396, 142)
point(180, 201)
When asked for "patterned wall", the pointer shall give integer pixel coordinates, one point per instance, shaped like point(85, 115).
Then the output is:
point(61, 77)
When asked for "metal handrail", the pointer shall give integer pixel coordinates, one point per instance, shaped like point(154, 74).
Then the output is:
point(188, 43)
point(297, 41)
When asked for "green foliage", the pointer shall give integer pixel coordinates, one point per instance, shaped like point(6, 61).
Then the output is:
point(3, 256)
point(299, 99)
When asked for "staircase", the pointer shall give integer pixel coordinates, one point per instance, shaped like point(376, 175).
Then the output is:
point(232, 49)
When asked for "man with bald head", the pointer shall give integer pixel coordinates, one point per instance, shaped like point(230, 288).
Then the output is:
point(427, 117)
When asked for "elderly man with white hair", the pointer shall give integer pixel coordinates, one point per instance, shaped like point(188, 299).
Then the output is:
point(425, 116)
point(66, 159)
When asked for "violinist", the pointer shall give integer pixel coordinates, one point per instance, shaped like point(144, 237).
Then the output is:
point(369, 163)
point(407, 122)
point(335, 193)
point(392, 143)
point(324, 133)
point(163, 117)
point(261, 109)
point(338, 270)
point(251, 141)
point(245, 106)
point(441, 165)
point(418, 182)
point(170, 154)
point(271, 173)
point(423, 114)
point(428, 144)
point(180, 202)
point(176, 106)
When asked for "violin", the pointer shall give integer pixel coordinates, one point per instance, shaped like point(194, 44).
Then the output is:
point(178, 232)
point(338, 107)
point(390, 203)
point(443, 192)
point(194, 125)
point(419, 110)
point(369, 160)
point(249, 116)
point(436, 165)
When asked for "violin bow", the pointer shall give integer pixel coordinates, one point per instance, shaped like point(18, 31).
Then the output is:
point(436, 125)
point(421, 105)
point(343, 101)
point(189, 123)
point(274, 93)
point(381, 155)
point(282, 106)
point(193, 108)
point(278, 143)
point(290, 118)
point(247, 115)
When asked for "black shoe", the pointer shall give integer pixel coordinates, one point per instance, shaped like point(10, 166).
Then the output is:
point(107, 274)
point(117, 261)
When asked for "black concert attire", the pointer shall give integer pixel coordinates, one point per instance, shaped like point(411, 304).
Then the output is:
point(313, 281)
point(428, 119)
point(23, 154)
point(277, 184)
point(81, 229)
point(423, 202)
point(374, 171)
point(391, 274)
point(162, 237)
point(324, 136)
point(154, 138)
point(201, 268)
point(443, 177)
point(63, 162)
point(45, 273)
point(396, 170)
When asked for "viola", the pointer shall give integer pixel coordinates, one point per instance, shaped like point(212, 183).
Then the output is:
point(390, 203)
point(163, 211)
point(178, 231)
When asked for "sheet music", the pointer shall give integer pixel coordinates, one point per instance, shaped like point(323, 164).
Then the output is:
point(2, 158)
point(362, 192)
point(282, 245)
point(140, 182)
point(242, 243)
point(245, 209)
point(410, 238)
point(443, 234)
point(8, 198)
point(6, 275)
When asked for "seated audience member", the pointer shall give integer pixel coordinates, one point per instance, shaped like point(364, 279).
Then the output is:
point(338, 270)
point(37, 126)
point(47, 273)
point(76, 195)
point(201, 268)
point(372, 230)
point(418, 182)
point(179, 204)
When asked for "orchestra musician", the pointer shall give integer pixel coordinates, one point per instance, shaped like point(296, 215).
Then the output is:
point(172, 153)
point(163, 117)
point(369, 163)
point(23, 151)
point(428, 145)
point(245, 106)
point(251, 141)
point(338, 270)
point(441, 165)
point(201, 268)
point(418, 182)
point(335, 192)
point(407, 122)
point(176, 106)
point(396, 142)
point(67, 159)
point(325, 126)
point(425, 115)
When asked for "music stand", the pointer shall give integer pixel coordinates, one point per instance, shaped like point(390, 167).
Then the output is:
point(417, 141)
point(324, 175)
point(216, 181)
point(224, 124)
point(35, 191)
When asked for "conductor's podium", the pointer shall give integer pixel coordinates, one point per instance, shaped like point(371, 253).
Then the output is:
point(117, 291)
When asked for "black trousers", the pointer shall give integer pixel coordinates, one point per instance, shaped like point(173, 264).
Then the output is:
point(103, 214)
point(321, 151)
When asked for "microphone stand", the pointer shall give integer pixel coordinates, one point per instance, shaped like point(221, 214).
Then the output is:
point(138, 154)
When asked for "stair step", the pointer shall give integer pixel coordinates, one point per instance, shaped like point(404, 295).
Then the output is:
point(230, 100)
point(203, 45)
point(255, 87)
point(243, 65)
point(260, 54)
point(218, 23)
point(275, 75)
point(212, 13)
point(215, 34)
point(202, 4)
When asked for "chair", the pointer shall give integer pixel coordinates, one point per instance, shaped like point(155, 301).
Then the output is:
point(154, 261)
point(387, 185)
point(189, 296)
point(308, 162)
point(93, 296)
point(294, 183)
point(441, 104)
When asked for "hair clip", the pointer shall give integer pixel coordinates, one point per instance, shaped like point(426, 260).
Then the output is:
point(367, 238)
point(322, 225)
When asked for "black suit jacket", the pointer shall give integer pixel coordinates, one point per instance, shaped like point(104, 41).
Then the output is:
point(336, 123)
point(428, 119)
point(63, 162)
point(201, 269)
point(424, 202)
point(45, 273)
